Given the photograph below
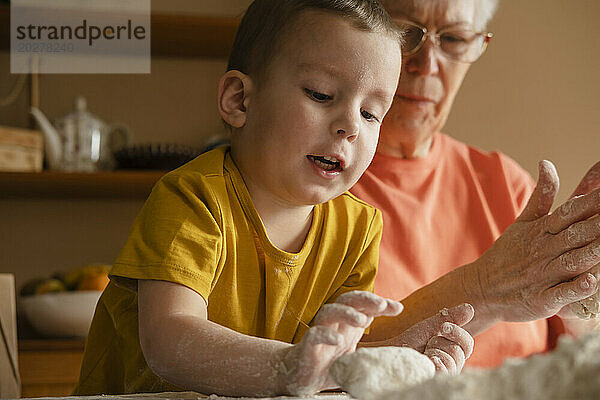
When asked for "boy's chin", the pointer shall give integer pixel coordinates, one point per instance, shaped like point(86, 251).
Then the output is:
point(322, 196)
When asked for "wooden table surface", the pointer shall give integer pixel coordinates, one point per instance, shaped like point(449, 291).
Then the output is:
point(49, 367)
point(192, 396)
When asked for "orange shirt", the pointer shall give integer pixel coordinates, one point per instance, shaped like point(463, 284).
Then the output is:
point(443, 211)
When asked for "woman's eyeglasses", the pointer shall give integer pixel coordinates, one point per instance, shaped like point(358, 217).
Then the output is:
point(457, 44)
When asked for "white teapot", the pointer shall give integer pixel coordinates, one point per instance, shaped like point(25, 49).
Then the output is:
point(79, 141)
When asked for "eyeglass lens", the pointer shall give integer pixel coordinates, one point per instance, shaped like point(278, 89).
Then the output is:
point(457, 44)
point(413, 35)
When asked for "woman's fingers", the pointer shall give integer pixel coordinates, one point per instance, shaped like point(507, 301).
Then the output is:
point(419, 334)
point(459, 337)
point(450, 364)
point(573, 210)
point(439, 365)
point(438, 345)
point(566, 293)
point(578, 234)
point(460, 314)
point(543, 195)
point(575, 262)
point(538, 264)
point(453, 346)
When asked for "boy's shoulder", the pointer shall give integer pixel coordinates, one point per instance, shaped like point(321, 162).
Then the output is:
point(351, 199)
point(203, 176)
point(210, 163)
point(350, 217)
point(353, 204)
point(204, 167)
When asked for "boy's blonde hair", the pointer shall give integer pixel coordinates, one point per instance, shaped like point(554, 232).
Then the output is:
point(266, 21)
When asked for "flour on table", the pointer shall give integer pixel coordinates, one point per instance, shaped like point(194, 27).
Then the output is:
point(368, 373)
point(318, 396)
point(589, 307)
point(570, 372)
point(194, 396)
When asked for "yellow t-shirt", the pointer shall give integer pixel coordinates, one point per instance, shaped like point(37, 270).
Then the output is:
point(200, 229)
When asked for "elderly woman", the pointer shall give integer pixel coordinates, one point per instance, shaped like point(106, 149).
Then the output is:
point(445, 203)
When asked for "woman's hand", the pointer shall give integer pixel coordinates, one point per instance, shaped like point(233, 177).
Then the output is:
point(441, 338)
point(573, 311)
point(540, 263)
point(537, 267)
point(336, 330)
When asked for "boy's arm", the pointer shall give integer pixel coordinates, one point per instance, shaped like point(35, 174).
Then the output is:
point(183, 347)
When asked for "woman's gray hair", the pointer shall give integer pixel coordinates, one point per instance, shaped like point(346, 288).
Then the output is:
point(484, 9)
point(484, 13)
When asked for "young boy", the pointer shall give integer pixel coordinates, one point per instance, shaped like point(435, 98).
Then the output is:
point(233, 254)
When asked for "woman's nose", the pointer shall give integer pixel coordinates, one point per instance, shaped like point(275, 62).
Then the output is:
point(425, 61)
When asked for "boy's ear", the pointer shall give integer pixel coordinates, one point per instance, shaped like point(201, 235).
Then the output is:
point(232, 99)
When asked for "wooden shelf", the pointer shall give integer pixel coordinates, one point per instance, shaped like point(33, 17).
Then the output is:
point(172, 35)
point(135, 185)
point(192, 35)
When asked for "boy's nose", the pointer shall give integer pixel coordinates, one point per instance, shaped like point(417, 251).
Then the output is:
point(348, 127)
point(351, 137)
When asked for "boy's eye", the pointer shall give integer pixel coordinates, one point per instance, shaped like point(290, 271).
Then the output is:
point(368, 116)
point(320, 97)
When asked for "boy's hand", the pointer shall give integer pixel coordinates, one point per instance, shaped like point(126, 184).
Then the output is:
point(336, 330)
point(442, 338)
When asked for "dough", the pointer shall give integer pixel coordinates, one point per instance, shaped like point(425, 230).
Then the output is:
point(571, 371)
point(369, 373)
point(589, 307)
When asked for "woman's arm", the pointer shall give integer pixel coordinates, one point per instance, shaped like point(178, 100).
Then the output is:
point(534, 269)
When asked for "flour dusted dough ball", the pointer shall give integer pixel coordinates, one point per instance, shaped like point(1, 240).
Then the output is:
point(589, 307)
point(368, 373)
point(569, 372)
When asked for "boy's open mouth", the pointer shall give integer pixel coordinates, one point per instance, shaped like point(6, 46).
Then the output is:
point(326, 163)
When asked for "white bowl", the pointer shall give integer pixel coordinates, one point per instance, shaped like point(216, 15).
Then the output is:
point(61, 314)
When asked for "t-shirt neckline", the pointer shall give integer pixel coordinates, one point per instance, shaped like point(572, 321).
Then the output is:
point(385, 164)
point(282, 256)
